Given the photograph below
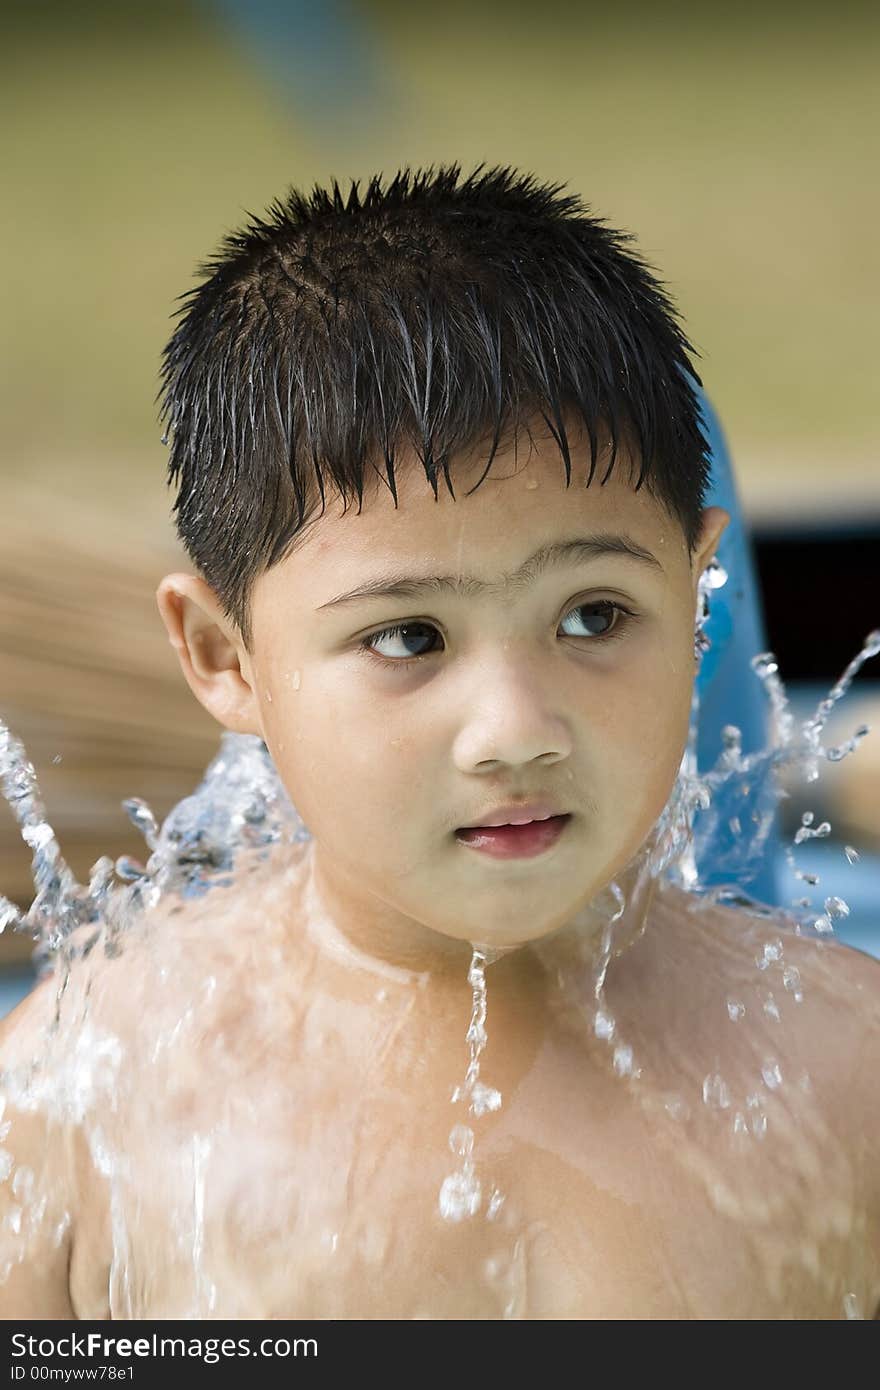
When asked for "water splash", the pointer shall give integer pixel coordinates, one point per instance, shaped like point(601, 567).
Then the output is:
point(722, 817)
point(461, 1194)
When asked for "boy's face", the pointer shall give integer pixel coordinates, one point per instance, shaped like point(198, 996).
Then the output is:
point(518, 695)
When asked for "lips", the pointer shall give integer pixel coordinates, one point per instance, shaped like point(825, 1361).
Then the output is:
point(516, 813)
point(514, 841)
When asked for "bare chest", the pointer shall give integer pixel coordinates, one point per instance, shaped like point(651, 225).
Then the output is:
point(338, 1196)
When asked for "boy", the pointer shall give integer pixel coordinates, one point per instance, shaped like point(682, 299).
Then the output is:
point(265, 1111)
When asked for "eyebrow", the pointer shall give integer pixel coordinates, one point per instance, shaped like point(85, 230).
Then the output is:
point(553, 556)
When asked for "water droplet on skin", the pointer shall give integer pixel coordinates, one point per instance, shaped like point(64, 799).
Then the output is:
point(603, 1026)
point(735, 1010)
point(771, 953)
point(296, 680)
point(460, 1196)
point(461, 1140)
point(771, 1009)
point(676, 1107)
point(716, 1092)
point(23, 1182)
point(757, 1116)
point(623, 1060)
point(496, 1202)
point(57, 758)
point(532, 484)
point(484, 1098)
point(772, 1074)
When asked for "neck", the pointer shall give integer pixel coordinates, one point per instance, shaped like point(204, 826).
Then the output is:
point(397, 948)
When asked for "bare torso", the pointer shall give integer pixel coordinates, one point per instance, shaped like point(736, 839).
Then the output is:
point(280, 1134)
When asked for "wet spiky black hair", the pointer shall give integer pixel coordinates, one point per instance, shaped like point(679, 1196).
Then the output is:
point(434, 313)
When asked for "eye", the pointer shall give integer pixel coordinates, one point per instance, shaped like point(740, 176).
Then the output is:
point(407, 635)
point(600, 619)
point(599, 622)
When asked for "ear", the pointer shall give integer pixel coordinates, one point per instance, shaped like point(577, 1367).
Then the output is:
point(213, 659)
point(715, 521)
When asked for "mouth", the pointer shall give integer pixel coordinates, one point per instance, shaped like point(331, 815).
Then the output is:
point(514, 841)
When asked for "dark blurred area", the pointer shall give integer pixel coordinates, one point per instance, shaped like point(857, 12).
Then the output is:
point(820, 587)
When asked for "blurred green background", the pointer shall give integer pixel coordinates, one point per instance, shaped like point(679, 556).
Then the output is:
point(739, 144)
point(741, 147)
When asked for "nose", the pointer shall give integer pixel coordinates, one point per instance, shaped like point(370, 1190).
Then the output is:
point(512, 718)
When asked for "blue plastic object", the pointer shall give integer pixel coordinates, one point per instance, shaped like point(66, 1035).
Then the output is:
point(728, 689)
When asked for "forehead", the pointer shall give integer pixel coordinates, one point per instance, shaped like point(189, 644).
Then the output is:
point(485, 532)
point(521, 502)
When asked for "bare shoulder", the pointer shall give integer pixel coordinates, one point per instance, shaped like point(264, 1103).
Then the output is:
point(36, 1215)
point(811, 1003)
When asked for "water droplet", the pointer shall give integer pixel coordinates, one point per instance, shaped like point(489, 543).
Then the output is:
point(8, 913)
point(836, 907)
point(791, 979)
point(714, 576)
point(461, 1140)
point(807, 833)
point(807, 818)
point(603, 1025)
point(460, 1196)
point(484, 1098)
point(57, 759)
point(852, 1307)
point(676, 1107)
point(735, 1010)
point(771, 1008)
point(296, 680)
point(37, 836)
point(771, 953)
point(739, 1123)
point(623, 1059)
point(851, 854)
point(22, 1182)
point(771, 1073)
point(496, 1202)
point(756, 1115)
point(716, 1092)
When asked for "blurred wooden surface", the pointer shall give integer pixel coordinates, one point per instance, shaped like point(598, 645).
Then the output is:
point(87, 673)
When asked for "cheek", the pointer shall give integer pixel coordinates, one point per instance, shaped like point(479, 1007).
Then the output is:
point(343, 763)
point(640, 737)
